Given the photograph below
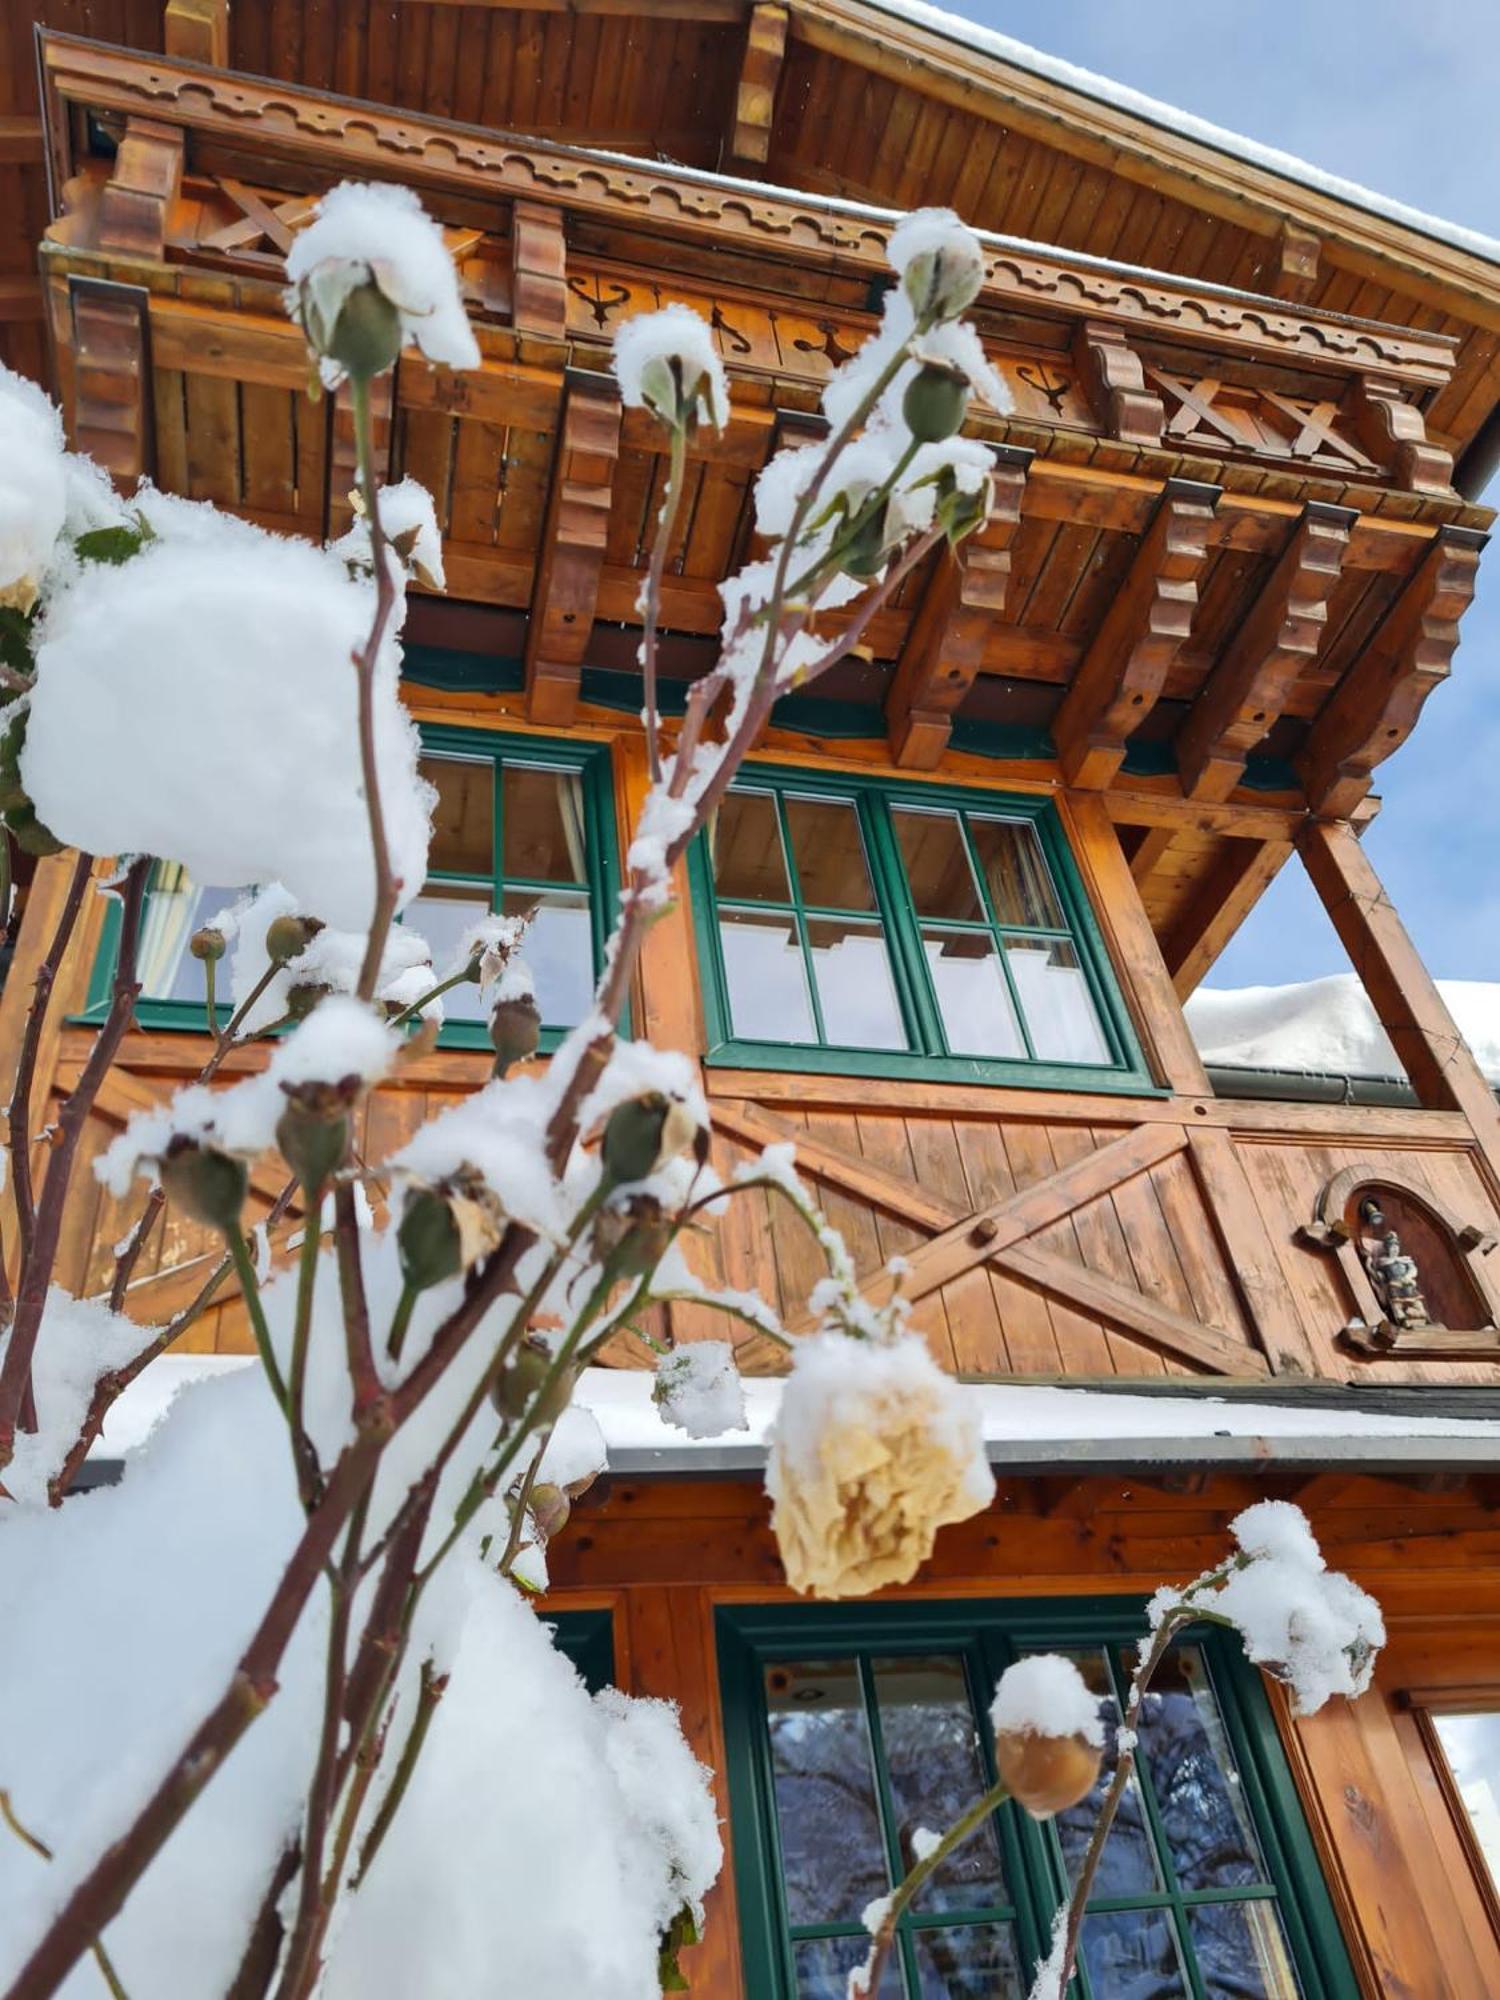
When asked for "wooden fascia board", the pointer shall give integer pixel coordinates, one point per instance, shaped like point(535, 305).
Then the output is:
point(1158, 157)
point(1376, 705)
point(1247, 689)
point(1126, 665)
point(341, 136)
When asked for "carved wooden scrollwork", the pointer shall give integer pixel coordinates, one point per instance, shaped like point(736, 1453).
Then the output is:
point(1418, 1274)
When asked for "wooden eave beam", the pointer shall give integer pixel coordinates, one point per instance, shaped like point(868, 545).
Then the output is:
point(944, 649)
point(198, 30)
point(1247, 689)
point(299, 125)
point(1375, 707)
point(1130, 656)
point(1233, 884)
point(755, 95)
point(574, 535)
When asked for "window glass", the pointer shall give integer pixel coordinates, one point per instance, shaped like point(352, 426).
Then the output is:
point(1055, 998)
point(938, 871)
point(767, 976)
point(543, 832)
point(1133, 1951)
point(175, 908)
point(968, 1962)
point(832, 1849)
point(463, 819)
point(442, 914)
point(1015, 874)
point(1128, 1866)
point(559, 948)
point(824, 1964)
point(745, 840)
point(936, 1769)
point(830, 852)
point(979, 1016)
point(1471, 1744)
point(853, 971)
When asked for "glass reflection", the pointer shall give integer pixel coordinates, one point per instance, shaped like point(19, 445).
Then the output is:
point(855, 987)
point(175, 908)
point(745, 843)
point(1186, 1750)
point(829, 851)
point(936, 1770)
point(767, 980)
point(1242, 1952)
point(441, 915)
point(1128, 1866)
point(824, 1964)
point(937, 865)
point(559, 948)
point(1133, 1955)
point(1056, 1001)
point(1015, 873)
point(968, 1962)
point(1471, 1744)
point(463, 820)
point(978, 1017)
point(832, 1853)
point(542, 825)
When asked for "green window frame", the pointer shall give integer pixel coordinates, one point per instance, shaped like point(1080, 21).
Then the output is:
point(985, 1636)
point(926, 1056)
point(593, 765)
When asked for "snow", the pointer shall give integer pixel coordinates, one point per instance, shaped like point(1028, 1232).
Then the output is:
point(198, 703)
point(332, 958)
point(409, 519)
point(933, 239)
point(79, 1340)
point(925, 1842)
point(362, 231)
point(989, 41)
point(698, 1389)
point(636, 1069)
point(1328, 1026)
point(873, 1450)
point(645, 350)
point(1277, 1528)
point(1044, 1694)
point(33, 487)
point(1047, 1984)
point(491, 940)
point(576, 1453)
point(500, 1135)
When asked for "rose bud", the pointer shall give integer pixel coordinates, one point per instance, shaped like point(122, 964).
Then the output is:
point(643, 1133)
point(207, 1184)
point(314, 1130)
point(515, 1030)
point(207, 945)
point(550, 1509)
point(289, 936)
point(633, 1236)
point(427, 1240)
point(935, 400)
point(1049, 1740)
point(522, 1385)
point(301, 999)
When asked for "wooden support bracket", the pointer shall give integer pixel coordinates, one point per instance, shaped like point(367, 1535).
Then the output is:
point(1291, 269)
point(945, 647)
point(1375, 707)
point(539, 270)
point(1229, 890)
point(1245, 692)
point(1393, 432)
point(573, 541)
point(146, 180)
point(1115, 383)
point(760, 73)
point(113, 417)
point(197, 30)
point(1122, 674)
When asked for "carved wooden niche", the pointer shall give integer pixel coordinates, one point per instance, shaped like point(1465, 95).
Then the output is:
point(1419, 1276)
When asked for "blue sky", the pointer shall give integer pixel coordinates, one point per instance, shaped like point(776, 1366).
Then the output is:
point(1401, 98)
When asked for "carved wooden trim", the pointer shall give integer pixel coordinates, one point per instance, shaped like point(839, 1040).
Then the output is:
point(1122, 674)
point(343, 137)
point(945, 647)
point(113, 419)
point(1247, 689)
point(539, 270)
point(145, 182)
point(760, 73)
point(197, 30)
point(1371, 1332)
point(1375, 707)
point(573, 543)
point(1395, 435)
point(1116, 385)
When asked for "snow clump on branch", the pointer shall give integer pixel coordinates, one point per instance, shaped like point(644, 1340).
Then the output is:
point(33, 488)
point(873, 1450)
point(370, 272)
point(1049, 1738)
point(698, 1389)
point(666, 362)
point(197, 703)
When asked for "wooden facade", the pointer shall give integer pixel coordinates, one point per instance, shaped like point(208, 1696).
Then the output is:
point(1230, 552)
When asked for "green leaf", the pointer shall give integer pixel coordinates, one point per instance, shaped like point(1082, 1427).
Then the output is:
point(15, 645)
point(679, 1934)
point(112, 545)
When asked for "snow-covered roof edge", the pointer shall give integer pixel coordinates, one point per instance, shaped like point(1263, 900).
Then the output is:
point(1027, 1427)
point(953, 27)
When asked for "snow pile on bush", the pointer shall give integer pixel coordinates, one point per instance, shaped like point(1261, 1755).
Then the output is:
point(199, 703)
point(80, 1340)
point(698, 1389)
point(33, 487)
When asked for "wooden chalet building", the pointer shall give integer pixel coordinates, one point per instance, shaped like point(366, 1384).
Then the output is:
point(943, 931)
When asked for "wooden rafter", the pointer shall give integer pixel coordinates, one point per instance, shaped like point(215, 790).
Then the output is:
point(945, 647)
point(573, 541)
point(1220, 903)
point(539, 270)
point(197, 29)
point(760, 73)
point(1123, 671)
point(1376, 705)
point(1281, 637)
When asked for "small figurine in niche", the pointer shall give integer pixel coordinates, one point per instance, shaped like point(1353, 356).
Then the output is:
point(1393, 1274)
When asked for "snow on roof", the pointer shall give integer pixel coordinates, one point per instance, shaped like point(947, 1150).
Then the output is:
point(1025, 1426)
point(991, 42)
point(1327, 1026)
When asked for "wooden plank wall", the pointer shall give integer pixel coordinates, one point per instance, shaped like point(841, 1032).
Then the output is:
point(664, 1554)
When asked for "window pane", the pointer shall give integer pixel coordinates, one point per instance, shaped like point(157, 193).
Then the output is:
point(543, 839)
point(1128, 1866)
point(1015, 873)
point(1133, 1955)
point(832, 1853)
point(970, 1962)
point(441, 915)
point(745, 842)
point(853, 971)
point(1204, 1812)
point(559, 948)
point(767, 980)
point(937, 865)
point(1471, 1743)
point(1242, 1952)
point(824, 1965)
point(972, 996)
point(830, 854)
point(463, 820)
point(936, 1772)
point(175, 908)
point(1055, 998)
